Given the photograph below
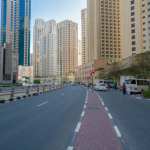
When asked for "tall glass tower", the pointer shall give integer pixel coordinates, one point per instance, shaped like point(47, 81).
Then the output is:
point(15, 27)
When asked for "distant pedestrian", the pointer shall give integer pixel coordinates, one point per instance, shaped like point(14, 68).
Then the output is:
point(108, 86)
point(124, 88)
point(128, 88)
point(115, 86)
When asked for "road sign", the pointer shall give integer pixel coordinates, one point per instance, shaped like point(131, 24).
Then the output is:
point(89, 78)
point(92, 73)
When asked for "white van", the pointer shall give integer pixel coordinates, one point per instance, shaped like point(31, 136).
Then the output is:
point(138, 85)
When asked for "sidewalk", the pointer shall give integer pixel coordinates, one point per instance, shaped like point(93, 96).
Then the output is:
point(97, 131)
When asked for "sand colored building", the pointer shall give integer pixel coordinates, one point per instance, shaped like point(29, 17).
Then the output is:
point(84, 35)
point(79, 53)
point(82, 73)
point(67, 46)
point(135, 27)
point(104, 30)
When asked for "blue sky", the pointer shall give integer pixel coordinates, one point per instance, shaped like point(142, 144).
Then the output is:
point(58, 10)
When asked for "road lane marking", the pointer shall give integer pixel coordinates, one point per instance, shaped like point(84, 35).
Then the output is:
point(84, 106)
point(117, 131)
point(148, 99)
point(138, 98)
point(42, 104)
point(63, 94)
point(106, 108)
point(78, 127)
point(70, 148)
point(102, 103)
point(110, 116)
point(82, 113)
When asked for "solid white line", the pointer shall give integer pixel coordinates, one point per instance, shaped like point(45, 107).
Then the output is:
point(110, 116)
point(70, 148)
point(106, 108)
point(82, 113)
point(78, 127)
point(117, 131)
point(42, 104)
point(84, 106)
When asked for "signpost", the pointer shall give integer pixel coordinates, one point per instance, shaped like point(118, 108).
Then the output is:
point(92, 73)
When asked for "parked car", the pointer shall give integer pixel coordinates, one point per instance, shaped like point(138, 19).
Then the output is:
point(74, 83)
point(100, 87)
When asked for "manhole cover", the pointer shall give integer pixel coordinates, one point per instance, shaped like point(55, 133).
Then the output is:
point(93, 108)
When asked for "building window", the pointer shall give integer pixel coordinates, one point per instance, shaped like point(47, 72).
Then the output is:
point(143, 5)
point(144, 47)
point(143, 23)
point(132, 8)
point(133, 31)
point(133, 13)
point(133, 48)
point(149, 3)
point(133, 36)
point(144, 29)
point(144, 35)
point(132, 19)
point(133, 43)
point(144, 41)
point(143, 11)
point(143, 17)
point(132, 25)
point(148, 15)
point(132, 2)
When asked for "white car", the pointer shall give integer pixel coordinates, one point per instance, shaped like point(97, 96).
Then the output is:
point(100, 87)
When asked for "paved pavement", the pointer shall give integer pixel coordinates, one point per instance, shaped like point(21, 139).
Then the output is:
point(97, 131)
point(131, 115)
point(45, 122)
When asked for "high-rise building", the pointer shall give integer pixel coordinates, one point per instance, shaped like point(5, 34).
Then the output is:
point(79, 53)
point(84, 35)
point(48, 49)
point(67, 46)
point(104, 30)
point(15, 27)
point(38, 30)
point(135, 26)
point(31, 59)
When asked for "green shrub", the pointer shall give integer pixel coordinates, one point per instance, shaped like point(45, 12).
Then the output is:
point(6, 85)
point(37, 81)
point(17, 84)
point(146, 93)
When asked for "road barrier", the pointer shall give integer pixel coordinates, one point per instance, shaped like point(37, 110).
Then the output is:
point(22, 93)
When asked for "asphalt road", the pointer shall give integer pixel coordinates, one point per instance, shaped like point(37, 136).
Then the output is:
point(131, 115)
point(45, 122)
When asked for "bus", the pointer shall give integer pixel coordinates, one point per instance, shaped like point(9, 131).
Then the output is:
point(138, 85)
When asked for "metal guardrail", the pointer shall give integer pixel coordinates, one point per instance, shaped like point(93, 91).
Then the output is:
point(31, 89)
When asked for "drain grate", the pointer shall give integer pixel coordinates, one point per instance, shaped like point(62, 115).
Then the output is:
point(93, 108)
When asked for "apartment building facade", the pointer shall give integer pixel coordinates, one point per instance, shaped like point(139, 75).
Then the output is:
point(15, 27)
point(104, 30)
point(38, 30)
point(67, 46)
point(82, 73)
point(79, 53)
point(135, 26)
point(84, 35)
point(31, 59)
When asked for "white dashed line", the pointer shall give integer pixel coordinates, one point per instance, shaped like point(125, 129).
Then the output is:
point(70, 148)
point(84, 106)
point(148, 99)
point(82, 113)
point(102, 103)
point(106, 108)
point(138, 98)
point(117, 131)
point(42, 104)
point(110, 116)
point(63, 94)
point(78, 127)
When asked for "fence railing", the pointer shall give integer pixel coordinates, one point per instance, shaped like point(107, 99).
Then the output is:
point(30, 89)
